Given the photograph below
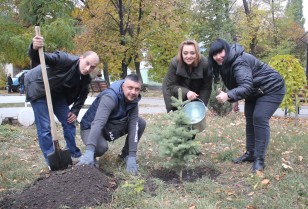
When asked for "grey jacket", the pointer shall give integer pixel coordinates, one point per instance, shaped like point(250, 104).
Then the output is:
point(199, 80)
point(111, 114)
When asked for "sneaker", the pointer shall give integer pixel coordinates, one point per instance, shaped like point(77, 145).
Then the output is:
point(76, 159)
point(76, 155)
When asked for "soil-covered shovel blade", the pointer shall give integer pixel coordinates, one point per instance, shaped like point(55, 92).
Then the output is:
point(59, 159)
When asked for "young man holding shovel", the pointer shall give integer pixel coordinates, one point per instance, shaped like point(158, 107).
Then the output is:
point(69, 79)
point(113, 114)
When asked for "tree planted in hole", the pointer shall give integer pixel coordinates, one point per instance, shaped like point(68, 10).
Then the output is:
point(176, 142)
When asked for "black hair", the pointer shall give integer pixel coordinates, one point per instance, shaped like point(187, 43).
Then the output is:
point(133, 77)
point(217, 46)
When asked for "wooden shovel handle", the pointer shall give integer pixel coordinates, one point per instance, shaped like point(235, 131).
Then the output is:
point(47, 90)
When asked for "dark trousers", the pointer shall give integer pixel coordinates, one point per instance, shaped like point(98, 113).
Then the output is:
point(9, 88)
point(102, 144)
point(258, 113)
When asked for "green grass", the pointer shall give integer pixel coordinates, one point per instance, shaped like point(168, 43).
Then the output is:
point(224, 138)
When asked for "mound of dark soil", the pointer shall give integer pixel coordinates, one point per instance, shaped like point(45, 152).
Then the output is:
point(189, 175)
point(72, 188)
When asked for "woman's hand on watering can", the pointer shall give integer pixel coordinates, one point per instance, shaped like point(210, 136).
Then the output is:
point(222, 97)
point(192, 95)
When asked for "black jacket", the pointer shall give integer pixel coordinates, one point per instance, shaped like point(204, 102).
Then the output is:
point(61, 66)
point(9, 80)
point(199, 81)
point(21, 79)
point(247, 77)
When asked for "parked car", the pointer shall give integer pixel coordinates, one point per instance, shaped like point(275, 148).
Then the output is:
point(15, 86)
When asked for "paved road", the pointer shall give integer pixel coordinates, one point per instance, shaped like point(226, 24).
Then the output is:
point(151, 105)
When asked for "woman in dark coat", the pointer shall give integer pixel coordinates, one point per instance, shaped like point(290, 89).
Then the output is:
point(262, 88)
point(9, 81)
point(189, 70)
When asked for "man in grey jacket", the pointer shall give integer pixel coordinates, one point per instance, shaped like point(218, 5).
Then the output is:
point(69, 81)
point(113, 114)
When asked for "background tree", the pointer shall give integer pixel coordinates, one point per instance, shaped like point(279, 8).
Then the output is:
point(14, 39)
point(114, 30)
point(43, 12)
point(211, 20)
point(126, 32)
point(169, 27)
point(17, 22)
point(281, 33)
point(294, 11)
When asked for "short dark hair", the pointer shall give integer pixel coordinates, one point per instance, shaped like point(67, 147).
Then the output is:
point(217, 46)
point(133, 77)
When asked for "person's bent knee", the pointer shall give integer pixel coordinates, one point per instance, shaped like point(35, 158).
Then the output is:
point(142, 124)
point(259, 119)
point(99, 151)
point(101, 147)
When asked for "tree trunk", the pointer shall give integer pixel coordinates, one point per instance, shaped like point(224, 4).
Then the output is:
point(253, 40)
point(106, 73)
point(137, 66)
point(124, 69)
point(274, 24)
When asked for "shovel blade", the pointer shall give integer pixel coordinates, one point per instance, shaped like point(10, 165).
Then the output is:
point(59, 159)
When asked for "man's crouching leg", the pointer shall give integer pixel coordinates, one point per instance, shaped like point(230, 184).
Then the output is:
point(92, 151)
point(125, 150)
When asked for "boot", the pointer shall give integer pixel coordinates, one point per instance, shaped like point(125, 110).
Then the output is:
point(246, 157)
point(258, 164)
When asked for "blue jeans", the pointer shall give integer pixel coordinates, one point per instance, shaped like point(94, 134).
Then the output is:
point(258, 113)
point(42, 121)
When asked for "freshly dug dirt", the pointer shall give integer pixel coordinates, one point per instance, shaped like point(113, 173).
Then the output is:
point(71, 188)
point(189, 175)
point(86, 186)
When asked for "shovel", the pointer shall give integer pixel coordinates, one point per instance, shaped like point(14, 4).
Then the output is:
point(58, 159)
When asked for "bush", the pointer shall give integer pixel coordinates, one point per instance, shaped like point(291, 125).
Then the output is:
point(294, 75)
point(219, 108)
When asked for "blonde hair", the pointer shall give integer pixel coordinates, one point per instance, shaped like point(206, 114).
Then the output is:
point(198, 53)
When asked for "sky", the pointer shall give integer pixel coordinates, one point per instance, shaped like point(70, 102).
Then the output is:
point(305, 12)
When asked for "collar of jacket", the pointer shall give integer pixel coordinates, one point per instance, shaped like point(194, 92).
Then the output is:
point(196, 73)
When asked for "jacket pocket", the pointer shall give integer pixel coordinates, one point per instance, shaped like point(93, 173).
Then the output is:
point(257, 92)
point(114, 129)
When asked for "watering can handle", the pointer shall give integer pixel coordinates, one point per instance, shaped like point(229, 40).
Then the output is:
point(197, 99)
